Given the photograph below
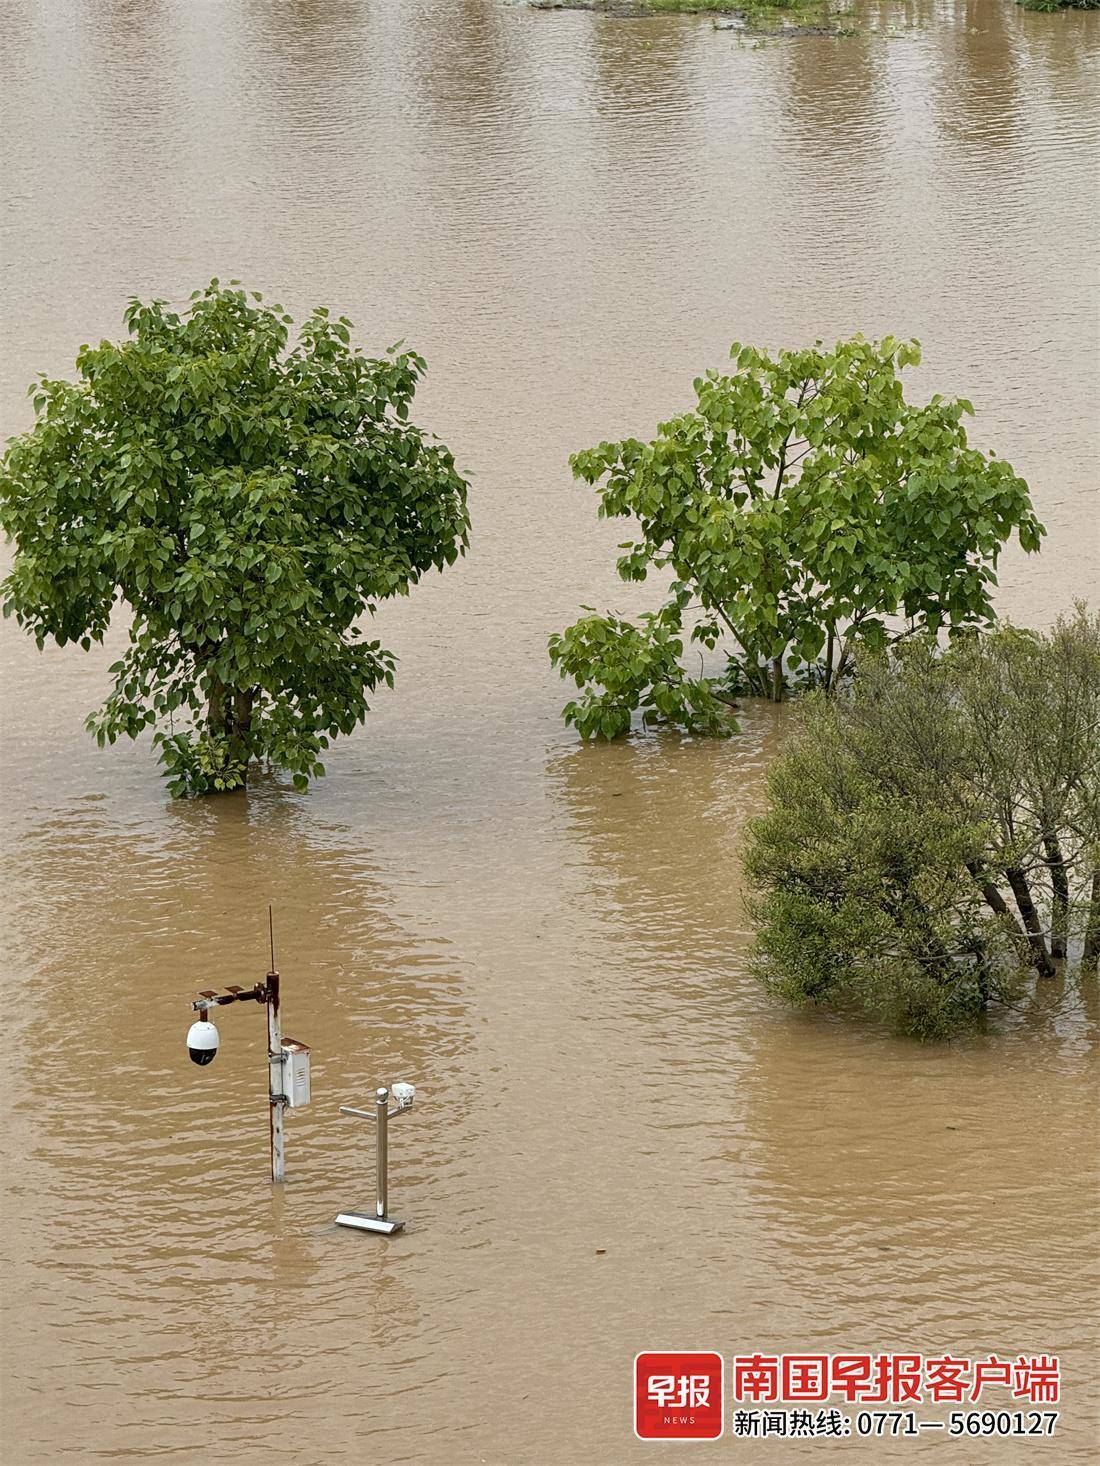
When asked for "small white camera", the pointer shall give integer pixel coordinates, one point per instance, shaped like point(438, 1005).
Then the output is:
point(202, 1042)
point(404, 1094)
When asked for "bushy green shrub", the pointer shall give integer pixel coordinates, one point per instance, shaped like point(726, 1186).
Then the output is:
point(934, 830)
point(624, 668)
point(1050, 5)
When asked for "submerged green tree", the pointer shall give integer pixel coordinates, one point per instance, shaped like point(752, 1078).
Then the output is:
point(935, 829)
point(249, 501)
point(803, 508)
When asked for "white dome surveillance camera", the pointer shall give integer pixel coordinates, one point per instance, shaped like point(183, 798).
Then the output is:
point(202, 1042)
point(404, 1094)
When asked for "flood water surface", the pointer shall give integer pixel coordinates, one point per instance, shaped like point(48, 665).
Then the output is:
point(619, 1142)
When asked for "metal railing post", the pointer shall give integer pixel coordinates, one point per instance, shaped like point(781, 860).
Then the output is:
point(381, 1221)
point(382, 1117)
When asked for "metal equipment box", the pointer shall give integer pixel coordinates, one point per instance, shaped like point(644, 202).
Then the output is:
point(295, 1073)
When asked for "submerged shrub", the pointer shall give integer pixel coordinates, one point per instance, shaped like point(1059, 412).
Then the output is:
point(1050, 5)
point(622, 669)
point(934, 830)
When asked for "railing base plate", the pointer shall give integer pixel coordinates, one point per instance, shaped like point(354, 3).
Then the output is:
point(364, 1223)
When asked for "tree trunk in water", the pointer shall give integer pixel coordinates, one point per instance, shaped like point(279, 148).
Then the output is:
point(217, 707)
point(777, 680)
point(1091, 954)
point(993, 898)
point(981, 971)
point(1032, 925)
point(229, 716)
point(1059, 907)
point(242, 710)
point(242, 725)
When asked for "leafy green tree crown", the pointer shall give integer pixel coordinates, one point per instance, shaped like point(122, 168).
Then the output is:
point(249, 501)
point(799, 508)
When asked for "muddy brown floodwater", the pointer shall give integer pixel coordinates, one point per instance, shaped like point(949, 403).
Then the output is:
point(620, 1143)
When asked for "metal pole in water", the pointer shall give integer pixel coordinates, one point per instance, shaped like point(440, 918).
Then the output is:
point(276, 1095)
point(382, 1114)
point(287, 1069)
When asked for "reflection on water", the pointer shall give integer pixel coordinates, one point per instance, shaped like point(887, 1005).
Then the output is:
point(570, 216)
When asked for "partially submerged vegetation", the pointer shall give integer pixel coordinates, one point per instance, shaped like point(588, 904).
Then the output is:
point(763, 17)
point(805, 510)
point(766, 17)
point(249, 501)
point(934, 830)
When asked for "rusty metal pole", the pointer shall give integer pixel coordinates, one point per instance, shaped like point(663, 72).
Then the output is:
point(276, 1095)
